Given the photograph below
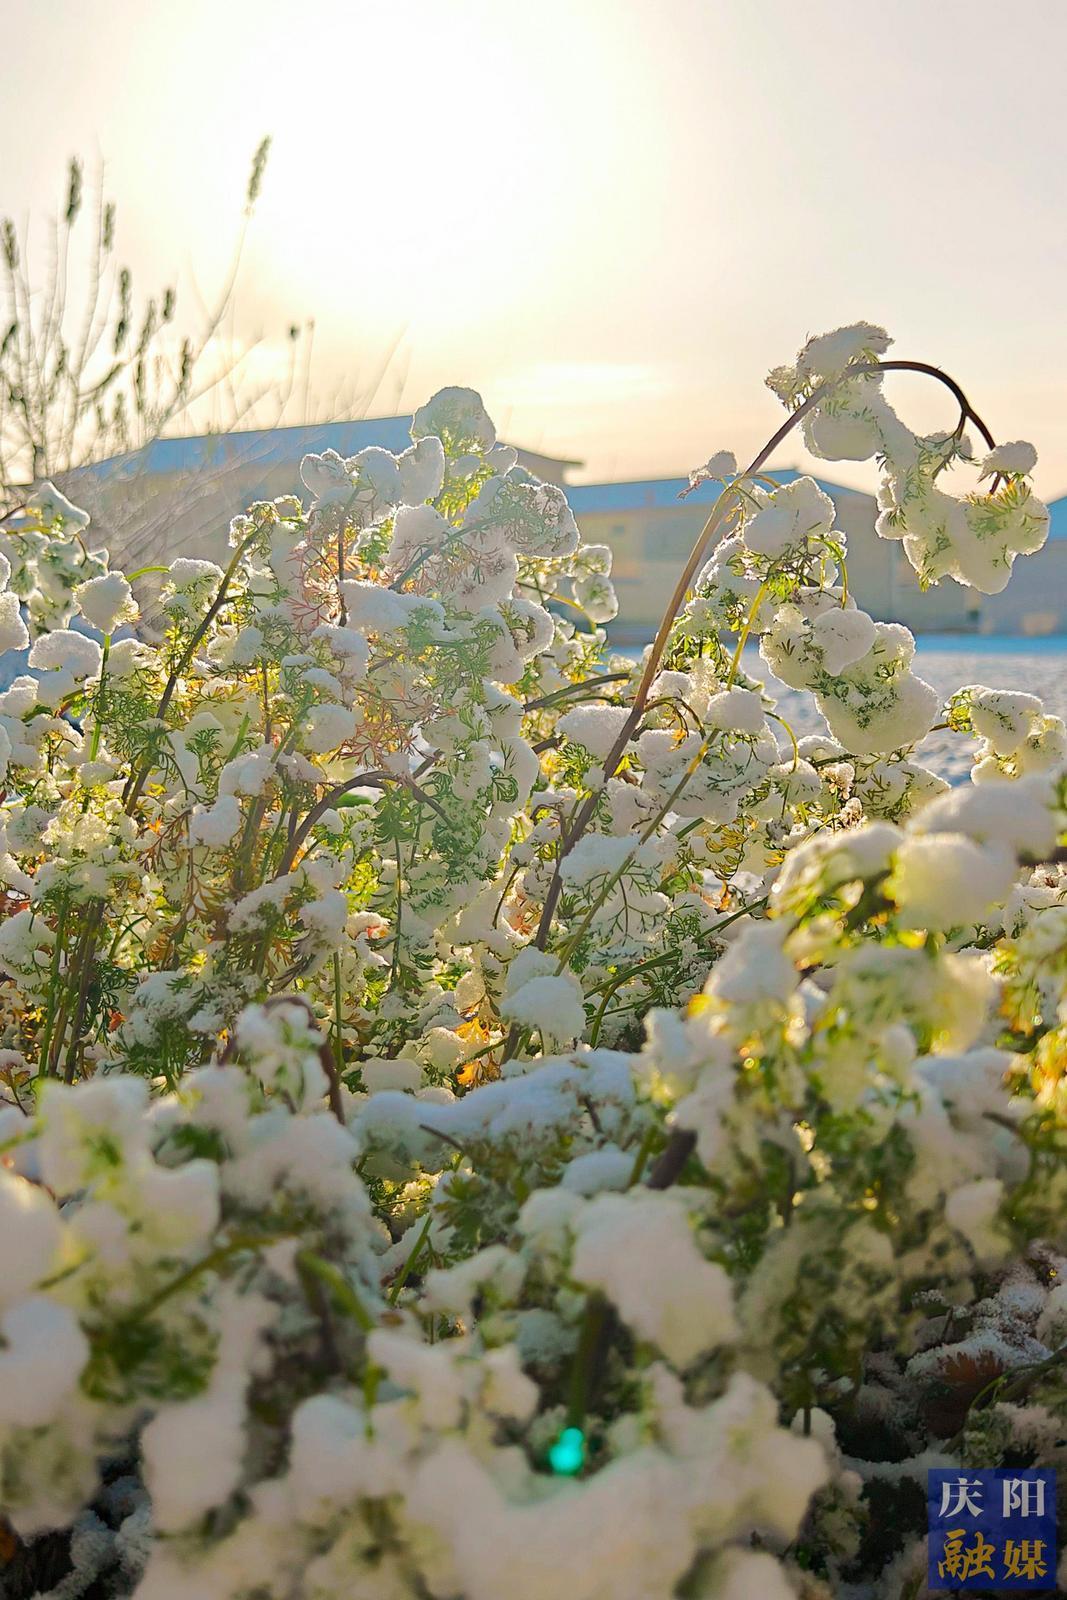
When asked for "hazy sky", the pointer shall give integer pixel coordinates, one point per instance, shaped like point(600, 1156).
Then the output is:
point(610, 216)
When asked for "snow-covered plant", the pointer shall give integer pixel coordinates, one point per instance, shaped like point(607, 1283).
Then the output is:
point(478, 1115)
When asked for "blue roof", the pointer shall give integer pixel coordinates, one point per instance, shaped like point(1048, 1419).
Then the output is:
point(265, 447)
point(1057, 527)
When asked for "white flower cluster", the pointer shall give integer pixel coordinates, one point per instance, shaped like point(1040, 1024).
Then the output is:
point(973, 538)
point(462, 1094)
point(1015, 734)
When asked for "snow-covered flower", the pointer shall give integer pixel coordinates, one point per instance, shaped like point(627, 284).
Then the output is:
point(1016, 460)
point(106, 602)
point(639, 1250)
point(458, 418)
point(945, 880)
point(721, 465)
point(828, 355)
point(788, 517)
point(551, 1004)
point(51, 507)
point(14, 635)
point(595, 727)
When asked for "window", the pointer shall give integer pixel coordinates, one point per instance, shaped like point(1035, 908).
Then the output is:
point(671, 541)
point(626, 556)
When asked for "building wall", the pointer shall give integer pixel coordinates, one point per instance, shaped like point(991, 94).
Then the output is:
point(179, 497)
point(650, 545)
point(1035, 600)
point(145, 514)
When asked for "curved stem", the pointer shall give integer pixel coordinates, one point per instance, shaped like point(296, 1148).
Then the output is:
point(409, 1264)
point(362, 780)
point(676, 1152)
point(726, 500)
point(583, 687)
point(792, 736)
point(743, 636)
point(340, 1289)
point(968, 413)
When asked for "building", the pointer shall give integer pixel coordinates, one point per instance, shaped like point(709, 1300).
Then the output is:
point(1035, 600)
point(651, 533)
point(178, 495)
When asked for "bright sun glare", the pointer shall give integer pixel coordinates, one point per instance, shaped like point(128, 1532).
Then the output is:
point(456, 184)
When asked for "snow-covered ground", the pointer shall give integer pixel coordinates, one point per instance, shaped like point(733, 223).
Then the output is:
point(948, 661)
point(1037, 666)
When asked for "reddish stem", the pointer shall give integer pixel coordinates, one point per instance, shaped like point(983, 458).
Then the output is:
point(719, 511)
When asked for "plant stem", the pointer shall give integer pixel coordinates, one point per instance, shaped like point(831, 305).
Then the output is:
point(726, 500)
point(344, 1296)
point(406, 1270)
point(94, 743)
point(214, 1258)
point(594, 1322)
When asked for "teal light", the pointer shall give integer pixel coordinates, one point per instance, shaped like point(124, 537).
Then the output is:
point(567, 1455)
